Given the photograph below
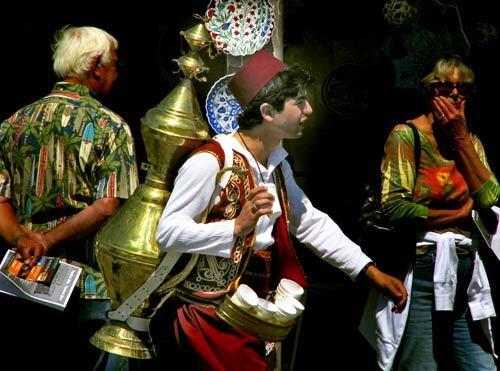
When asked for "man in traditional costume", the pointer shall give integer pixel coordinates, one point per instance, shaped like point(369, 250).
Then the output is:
point(220, 208)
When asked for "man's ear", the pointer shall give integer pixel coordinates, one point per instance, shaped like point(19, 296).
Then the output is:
point(94, 72)
point(267, 112)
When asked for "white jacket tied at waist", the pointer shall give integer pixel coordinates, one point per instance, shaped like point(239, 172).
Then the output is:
point(384, 329)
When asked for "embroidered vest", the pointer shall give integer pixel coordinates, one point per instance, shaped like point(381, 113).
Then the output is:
point(215, 276)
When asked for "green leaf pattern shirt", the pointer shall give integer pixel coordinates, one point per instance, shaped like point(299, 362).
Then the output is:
point(407, 196)
point(60, 154)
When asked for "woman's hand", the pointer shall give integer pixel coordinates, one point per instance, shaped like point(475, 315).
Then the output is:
point(465, 212)
point(444, 218)
point(451, 118)
point(452, 122)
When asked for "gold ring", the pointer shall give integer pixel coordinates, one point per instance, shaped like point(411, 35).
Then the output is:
point(440, 117)
point(254, 208)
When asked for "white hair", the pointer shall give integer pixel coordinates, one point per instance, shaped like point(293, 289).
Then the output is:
point(76, 48)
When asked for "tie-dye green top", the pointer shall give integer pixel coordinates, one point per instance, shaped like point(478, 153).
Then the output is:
point(438, 185)
point(60, 154)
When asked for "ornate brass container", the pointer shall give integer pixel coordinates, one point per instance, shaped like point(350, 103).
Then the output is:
point(197, 37)
point(191, 65)
point(125, 246)
point(270, 330)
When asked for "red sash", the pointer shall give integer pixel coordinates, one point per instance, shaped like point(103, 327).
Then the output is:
point(285, 261)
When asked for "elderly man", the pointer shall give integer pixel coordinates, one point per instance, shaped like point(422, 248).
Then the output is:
point(66, 161)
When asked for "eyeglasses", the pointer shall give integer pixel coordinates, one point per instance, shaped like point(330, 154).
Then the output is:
point(445, 88)
point(118, 64)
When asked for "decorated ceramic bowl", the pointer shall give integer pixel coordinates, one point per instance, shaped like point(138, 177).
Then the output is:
point(222, 108)
point(240, 27)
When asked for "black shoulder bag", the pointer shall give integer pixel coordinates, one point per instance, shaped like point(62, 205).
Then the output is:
point(391, 247)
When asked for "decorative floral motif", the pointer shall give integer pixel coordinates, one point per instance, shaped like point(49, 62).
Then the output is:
point(399, 13)
point(442, 183)
point(487, 33)
point(222, 108)
point(212, 274)
point(215, 274)
point(344, 92)
point(240, 27)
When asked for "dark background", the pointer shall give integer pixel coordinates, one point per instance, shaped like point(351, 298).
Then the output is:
point(348, 43)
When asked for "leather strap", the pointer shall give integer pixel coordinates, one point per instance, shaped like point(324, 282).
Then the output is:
point(146, 289)
point(417, 145)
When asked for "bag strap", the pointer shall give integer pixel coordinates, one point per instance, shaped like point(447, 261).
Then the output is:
point(417, 145)
point(124, 312)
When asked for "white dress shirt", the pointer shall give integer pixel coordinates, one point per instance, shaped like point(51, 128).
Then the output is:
point(180, 229)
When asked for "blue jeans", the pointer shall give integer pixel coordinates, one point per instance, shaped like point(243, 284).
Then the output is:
point(444, 340)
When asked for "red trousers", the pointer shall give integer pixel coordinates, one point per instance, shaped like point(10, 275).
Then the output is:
point(215, 344)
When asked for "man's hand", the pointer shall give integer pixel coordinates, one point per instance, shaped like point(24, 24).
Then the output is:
point(40, 238)
point(82, 224)
point(16, 236)
point(258, 203)
point(30, 250)
point(389, 286)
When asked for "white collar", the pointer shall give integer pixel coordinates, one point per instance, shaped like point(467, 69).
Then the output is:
point(277, 155)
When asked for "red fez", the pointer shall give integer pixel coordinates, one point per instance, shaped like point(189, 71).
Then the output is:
point(258, 70)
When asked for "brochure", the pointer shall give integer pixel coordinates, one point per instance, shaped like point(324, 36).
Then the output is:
point(487, 222)
point(50, 282)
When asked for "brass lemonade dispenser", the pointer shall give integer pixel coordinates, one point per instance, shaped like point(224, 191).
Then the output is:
point(125, 246)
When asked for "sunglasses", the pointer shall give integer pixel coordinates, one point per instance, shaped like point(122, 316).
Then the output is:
point(445, 88)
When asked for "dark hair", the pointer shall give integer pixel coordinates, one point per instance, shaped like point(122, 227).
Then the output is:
point(286, 84)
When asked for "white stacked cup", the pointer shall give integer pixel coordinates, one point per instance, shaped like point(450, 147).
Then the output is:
point(299, 307)
point(266, 310)
point(287, 287)
point(288, 293)
point(286, 311)
point(245, 297)
point(276, 213)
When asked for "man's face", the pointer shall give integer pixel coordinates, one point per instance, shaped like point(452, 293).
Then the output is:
point(289, 123)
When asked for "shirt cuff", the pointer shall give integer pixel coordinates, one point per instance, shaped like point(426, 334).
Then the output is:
point(362, 262)
point(488, 194)
point(421, 212)
point(361, 275)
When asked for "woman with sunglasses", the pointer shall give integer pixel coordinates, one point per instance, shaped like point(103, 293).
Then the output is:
point(450, 303)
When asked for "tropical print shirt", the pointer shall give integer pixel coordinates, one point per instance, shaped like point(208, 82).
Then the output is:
point(407, 196)
point(60, 154)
